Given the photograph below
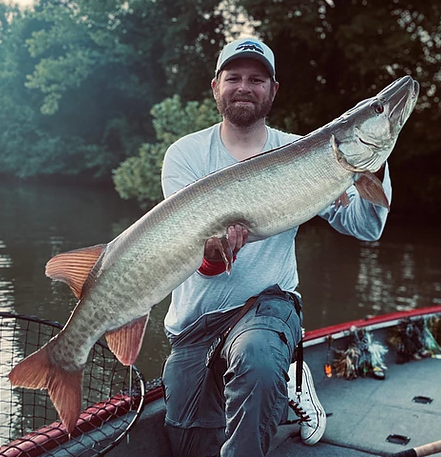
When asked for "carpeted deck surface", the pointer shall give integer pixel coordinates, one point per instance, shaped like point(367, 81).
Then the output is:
point(362, 413)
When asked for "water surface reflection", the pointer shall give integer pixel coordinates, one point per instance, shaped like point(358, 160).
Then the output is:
point(342, 278)
point(9, 399)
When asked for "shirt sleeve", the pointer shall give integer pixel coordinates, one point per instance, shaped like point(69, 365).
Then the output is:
point(177, 171)
point(360, 218)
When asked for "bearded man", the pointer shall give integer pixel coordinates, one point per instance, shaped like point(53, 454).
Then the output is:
point(230, 403)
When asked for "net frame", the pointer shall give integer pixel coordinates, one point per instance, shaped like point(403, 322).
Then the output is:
point(114, 396)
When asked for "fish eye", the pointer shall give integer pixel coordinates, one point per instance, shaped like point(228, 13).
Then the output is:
point(378, 107)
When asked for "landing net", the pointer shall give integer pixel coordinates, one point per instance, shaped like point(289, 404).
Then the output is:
point(113, 396)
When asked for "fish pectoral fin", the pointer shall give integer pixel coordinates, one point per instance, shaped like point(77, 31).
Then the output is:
point(64, 387)
point(73, 267)
point(125, 342)
point(343, 200)
point(370, 188)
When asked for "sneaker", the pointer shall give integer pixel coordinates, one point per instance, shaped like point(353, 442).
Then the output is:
point(307, 408)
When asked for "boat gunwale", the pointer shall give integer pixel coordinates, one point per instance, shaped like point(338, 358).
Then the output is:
point(338, 331)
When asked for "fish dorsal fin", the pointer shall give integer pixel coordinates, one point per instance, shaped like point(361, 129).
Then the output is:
point(125, 342)
point(370, 188)
point(73, 267)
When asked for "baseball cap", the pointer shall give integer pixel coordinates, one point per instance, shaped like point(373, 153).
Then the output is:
point(247, 47)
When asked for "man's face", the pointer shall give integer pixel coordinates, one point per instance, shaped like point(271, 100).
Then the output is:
point(243, 92)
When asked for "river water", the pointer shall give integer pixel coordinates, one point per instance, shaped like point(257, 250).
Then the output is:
point(341, 278)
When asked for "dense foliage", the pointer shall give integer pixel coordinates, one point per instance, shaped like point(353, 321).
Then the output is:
point(140, 176)
point(79, 78)
point(87, 87)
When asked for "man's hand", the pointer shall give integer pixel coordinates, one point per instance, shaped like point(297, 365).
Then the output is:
point(230, 245)
point(219, 253)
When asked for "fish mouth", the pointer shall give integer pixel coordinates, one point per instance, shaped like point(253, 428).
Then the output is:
point(402, 96)
point(416, 90)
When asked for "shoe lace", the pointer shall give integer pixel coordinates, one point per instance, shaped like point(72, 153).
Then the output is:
point(299, 411)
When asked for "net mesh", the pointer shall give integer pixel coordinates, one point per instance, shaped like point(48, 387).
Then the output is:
point(113, 396)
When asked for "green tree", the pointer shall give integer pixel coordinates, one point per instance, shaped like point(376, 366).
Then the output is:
point(23, 144)
point(140, 176)
point(93, 71)
point(96, 69)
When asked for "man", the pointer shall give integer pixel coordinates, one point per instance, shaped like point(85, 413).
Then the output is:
point(234, 407)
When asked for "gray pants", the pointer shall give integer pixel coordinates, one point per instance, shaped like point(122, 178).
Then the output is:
point(234, 408)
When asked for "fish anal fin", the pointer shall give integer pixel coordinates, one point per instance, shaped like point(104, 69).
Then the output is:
point(343, 200)
point(64, 387)
point(370, 188)
point(73, 267)
point(125, 342)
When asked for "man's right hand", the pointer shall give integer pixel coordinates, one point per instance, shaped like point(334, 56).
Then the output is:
point(231, 244)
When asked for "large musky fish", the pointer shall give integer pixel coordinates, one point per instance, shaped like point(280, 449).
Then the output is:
point(118, 283)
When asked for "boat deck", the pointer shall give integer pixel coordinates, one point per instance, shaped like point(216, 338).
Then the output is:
point(362, 414)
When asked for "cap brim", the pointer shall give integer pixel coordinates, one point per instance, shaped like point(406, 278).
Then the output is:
point(249, 55)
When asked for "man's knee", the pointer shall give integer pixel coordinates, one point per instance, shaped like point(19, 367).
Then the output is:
point(258, 356)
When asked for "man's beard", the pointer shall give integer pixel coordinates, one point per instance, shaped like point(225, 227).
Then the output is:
point(244, 116)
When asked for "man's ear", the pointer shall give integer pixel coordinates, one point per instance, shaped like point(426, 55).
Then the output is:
point(214, 83)
point(275, 88)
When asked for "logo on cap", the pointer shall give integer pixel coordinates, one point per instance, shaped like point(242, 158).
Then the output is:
point(250, 46)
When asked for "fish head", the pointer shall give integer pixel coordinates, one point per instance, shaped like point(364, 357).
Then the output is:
point(364, 137)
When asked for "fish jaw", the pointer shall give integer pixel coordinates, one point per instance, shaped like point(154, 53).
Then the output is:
point(372, 127)
point(402, 96)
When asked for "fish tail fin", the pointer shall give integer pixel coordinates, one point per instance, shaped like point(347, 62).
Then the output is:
point(64, 387)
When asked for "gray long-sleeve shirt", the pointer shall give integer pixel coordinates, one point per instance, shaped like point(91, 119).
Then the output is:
point(261, 264)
